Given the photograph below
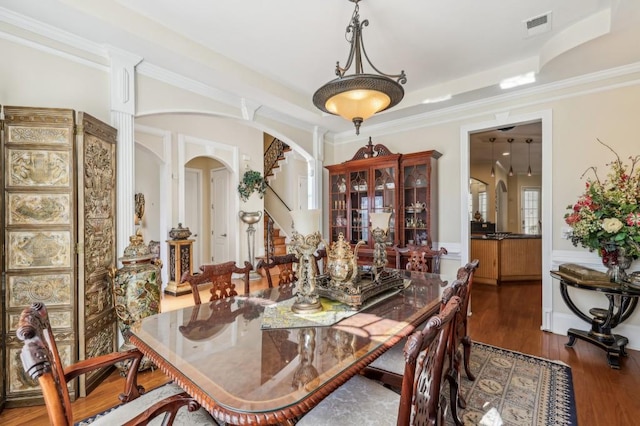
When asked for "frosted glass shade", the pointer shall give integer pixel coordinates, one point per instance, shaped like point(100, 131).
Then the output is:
point(306, 222)
point(380, 220)
point(361, 103)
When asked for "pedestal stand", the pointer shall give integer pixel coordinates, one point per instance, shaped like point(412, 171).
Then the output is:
point(250, 218)
point(180, 261)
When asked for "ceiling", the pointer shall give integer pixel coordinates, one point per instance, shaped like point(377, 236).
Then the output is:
point(271, 56)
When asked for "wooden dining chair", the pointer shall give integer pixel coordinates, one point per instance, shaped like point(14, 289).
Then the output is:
point(362, 401)
point(286, 270)
point(219, 275)
point(42, 362)
point(389, 367)
point(320, 258)
point(419, 258)
point(460, 336)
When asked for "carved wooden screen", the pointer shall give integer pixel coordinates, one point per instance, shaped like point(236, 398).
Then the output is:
point(40, 233)
point(96, 149)
point(46, 169)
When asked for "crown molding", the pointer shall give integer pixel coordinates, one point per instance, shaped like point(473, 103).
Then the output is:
point(450, 114)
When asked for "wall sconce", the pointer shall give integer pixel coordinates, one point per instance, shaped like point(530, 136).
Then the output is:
point(139, 208)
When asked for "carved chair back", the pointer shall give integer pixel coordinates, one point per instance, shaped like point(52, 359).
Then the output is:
point(41, 361)
point(220, 276)
point(420, 258)
point(425, 357)
point(320, 258)
point(461, 287)
point(285, 264)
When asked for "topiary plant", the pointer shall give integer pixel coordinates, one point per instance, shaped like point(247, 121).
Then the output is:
point(252, 181)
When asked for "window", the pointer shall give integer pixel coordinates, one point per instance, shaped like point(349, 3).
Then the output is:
point(531, 211)
point(482, 205)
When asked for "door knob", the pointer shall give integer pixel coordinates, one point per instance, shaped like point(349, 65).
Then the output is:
point(223, 235)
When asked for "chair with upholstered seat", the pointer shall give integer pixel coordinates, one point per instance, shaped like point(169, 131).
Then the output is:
point(41, 361)
point(419, 258)
point(362, 401)
point(219, 275)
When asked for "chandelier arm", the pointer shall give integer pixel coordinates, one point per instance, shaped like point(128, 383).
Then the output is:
point(400, 78)
point(354, 27)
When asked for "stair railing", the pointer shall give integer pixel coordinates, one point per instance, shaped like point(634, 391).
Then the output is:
point(273, 154)
point(269, 246)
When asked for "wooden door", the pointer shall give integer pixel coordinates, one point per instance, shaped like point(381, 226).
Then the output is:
point(39, 233)
point(96, 162)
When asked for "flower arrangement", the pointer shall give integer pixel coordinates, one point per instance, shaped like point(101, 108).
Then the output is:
point(607, 214)
point(252, 181)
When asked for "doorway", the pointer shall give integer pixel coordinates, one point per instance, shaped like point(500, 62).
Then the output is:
point(193, 215)
point(219, 217)
point(507, 122)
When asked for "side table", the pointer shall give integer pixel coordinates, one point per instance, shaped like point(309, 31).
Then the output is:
point(622, 302)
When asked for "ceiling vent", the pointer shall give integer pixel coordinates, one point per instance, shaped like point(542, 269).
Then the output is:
point(537, 25)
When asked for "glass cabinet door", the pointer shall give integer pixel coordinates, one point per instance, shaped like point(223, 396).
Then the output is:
point(416, 200)
point(338, 208)
point(384, 197)
point(359, 205)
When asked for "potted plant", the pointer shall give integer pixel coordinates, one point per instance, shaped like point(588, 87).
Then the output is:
point(252, 181)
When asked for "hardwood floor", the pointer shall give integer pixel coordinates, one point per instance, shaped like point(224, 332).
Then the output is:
point(507, 316)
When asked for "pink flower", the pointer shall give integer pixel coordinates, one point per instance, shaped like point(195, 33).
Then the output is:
point(633, 219)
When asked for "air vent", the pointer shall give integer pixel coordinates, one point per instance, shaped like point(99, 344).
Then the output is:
point(537, 25)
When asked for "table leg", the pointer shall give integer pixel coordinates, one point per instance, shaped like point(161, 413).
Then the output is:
point(614, 347)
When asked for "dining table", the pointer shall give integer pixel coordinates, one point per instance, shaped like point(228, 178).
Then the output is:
point(249, 360)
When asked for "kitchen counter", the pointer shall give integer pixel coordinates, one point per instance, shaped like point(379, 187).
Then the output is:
point(507, 257)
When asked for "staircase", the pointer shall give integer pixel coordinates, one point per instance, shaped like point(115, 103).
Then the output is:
point(278, 241)
point(274, 243)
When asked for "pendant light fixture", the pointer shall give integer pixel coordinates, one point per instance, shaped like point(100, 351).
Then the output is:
point(358, 96)
point(493, 171)
point(510, 140)
point(528, 141)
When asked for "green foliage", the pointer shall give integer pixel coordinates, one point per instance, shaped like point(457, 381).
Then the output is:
point(252, 181)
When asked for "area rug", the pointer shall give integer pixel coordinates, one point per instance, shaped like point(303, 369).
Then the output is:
point(512, 388)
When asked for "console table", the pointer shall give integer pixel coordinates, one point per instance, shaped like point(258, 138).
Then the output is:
point(622, 302)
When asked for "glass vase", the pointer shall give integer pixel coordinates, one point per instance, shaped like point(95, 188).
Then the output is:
point(616, 260)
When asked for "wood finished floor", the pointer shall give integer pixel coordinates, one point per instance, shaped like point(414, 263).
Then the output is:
point(507, 316)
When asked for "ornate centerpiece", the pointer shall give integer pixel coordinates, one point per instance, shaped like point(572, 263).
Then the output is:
point(348, 283)
point(305, 241)
point(180, 233)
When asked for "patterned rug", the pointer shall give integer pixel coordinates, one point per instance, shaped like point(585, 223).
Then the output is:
point(512, 388)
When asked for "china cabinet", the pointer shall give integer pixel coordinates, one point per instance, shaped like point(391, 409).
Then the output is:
point(376, 180)
point(59, 239)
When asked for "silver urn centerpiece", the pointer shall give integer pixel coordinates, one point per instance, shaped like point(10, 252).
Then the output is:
point(180, 233)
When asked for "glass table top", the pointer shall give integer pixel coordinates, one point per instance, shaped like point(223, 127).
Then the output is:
point(220, 348)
